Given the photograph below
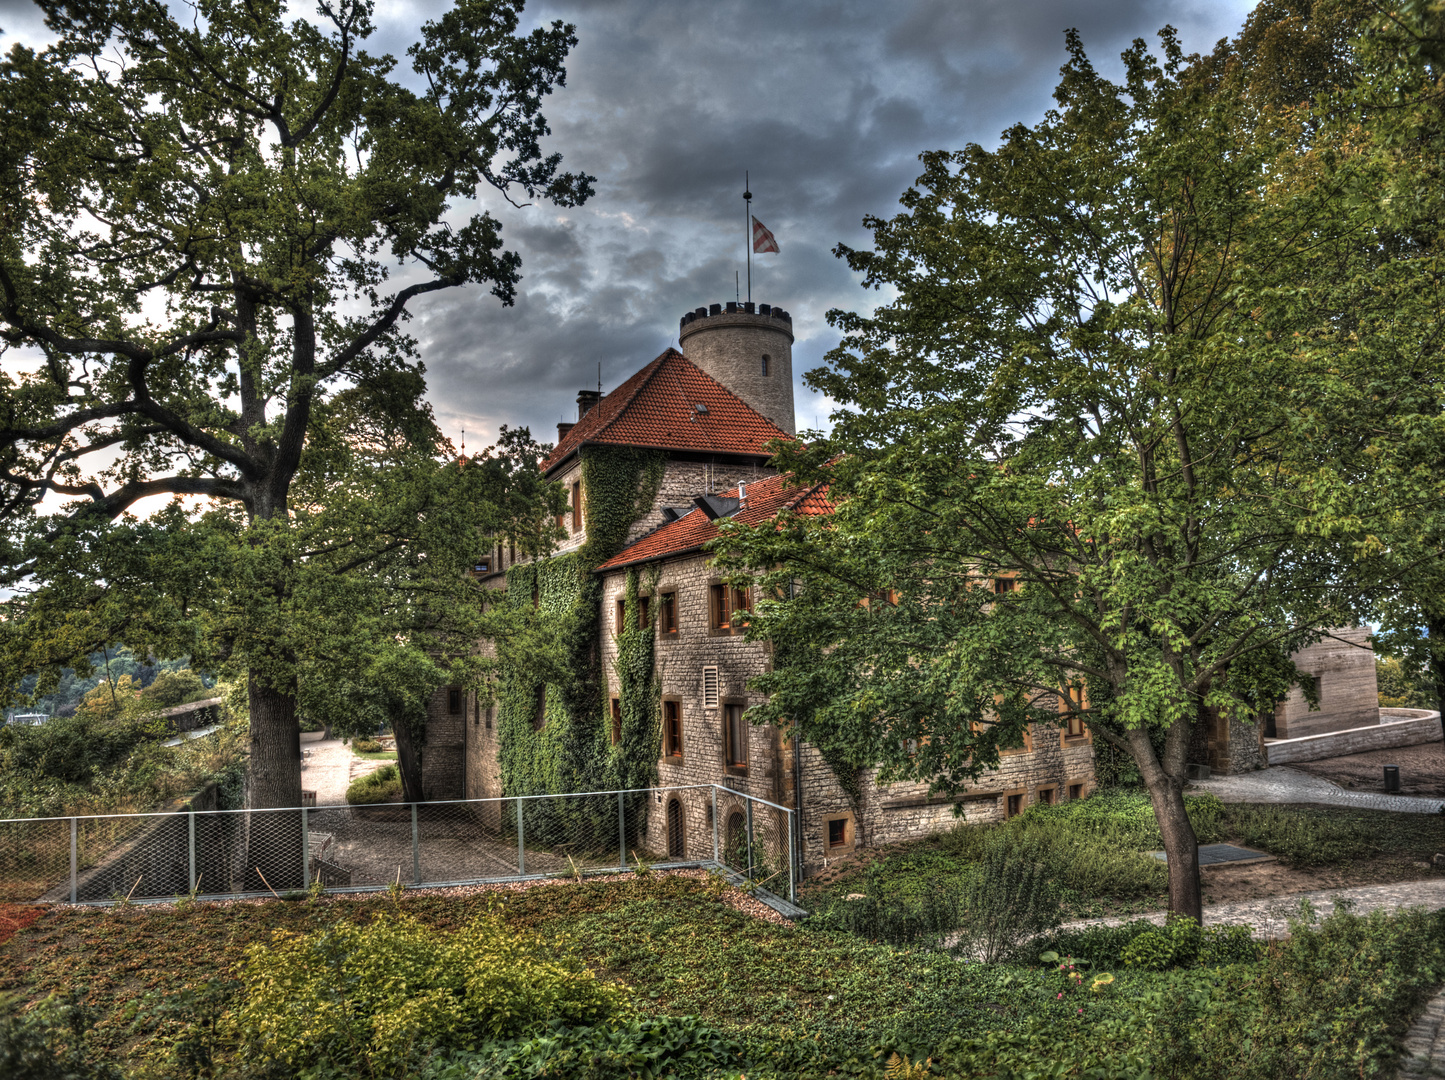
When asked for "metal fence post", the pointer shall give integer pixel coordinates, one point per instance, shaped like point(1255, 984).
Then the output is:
point(305, 851)
point(621, 833)
point(521, 845)
point(191, 846)
point(792, 862)
point(748, 805)
point(716, 850)
point(74, 860)
point(415, 849)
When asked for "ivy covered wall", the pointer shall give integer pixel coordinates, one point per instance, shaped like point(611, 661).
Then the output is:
point(558, 656)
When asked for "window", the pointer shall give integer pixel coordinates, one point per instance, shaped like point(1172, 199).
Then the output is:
point(644, 614)
point(1013, 804)
point(536, 595)
point(672, 729)
point(735, 738)
point(837, 832)
point(676, 840)
point(489, 718)
point(577, 507)
point(616, 713)
point(512, 552)
point(1026, 748)
point(454, 700)
point(539, 717)
point(1076, 791)
point(621, 616)
point(1074, 702)
point(668, 613)
point(1005, 584)
point(709, 688)
point(1046, 796)
point(724, 600)
point(766, 361)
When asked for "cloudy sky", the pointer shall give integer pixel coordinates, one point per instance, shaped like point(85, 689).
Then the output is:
point(827, 104)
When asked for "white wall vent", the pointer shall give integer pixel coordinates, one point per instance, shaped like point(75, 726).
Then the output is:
point(709, 688)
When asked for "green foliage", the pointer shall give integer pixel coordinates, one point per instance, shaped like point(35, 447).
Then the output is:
point(49, 1041)
point(1175, 945)
point(366, 746)
point(681, 1046)
point(1302, 838)
point(371, 999)
point(176, 688)
point(1010, 900)
point(383, 785)
point(1401, 685)
point(550, 648)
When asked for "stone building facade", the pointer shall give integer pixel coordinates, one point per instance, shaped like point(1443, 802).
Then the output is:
point(712, 409)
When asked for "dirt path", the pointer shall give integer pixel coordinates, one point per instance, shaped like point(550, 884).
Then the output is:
point(1422, 769)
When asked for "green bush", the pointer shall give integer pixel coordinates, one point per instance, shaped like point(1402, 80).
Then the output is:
point(927, 919)
point(381, 786)
point(1175, 944)
point(1009, 901)
point(175, 688)
point(372, 999)
point(654, 1047)
point(49, 1041)
point(366, 746)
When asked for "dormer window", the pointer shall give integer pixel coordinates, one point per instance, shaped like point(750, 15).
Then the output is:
point(700, 409)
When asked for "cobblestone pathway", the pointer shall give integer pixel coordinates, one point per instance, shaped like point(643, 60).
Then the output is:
point(1282, 784)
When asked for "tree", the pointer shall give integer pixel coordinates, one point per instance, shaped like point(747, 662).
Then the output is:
point(1091, 457)
point(199, 215)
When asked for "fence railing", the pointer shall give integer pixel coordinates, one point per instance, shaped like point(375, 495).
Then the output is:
point(229, 853)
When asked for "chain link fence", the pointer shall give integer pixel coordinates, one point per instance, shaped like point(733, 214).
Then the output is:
point(229, 853)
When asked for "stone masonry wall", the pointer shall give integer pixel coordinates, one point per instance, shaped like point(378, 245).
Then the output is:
point(1349, 694)
point(684, 481)
point(443, 765)
point(730, 348)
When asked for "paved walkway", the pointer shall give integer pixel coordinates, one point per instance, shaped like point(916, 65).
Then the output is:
point(330, 767)
point(1281, 784)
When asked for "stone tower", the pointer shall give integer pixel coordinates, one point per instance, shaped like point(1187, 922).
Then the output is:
point(749, 349)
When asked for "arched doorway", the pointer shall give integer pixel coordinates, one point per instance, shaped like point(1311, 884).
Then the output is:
point(676, 840)
point(735, 850)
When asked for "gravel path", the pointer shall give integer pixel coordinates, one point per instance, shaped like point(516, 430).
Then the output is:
point(1282, 784)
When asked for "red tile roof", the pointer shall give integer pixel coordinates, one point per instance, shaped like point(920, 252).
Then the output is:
point(657, 408)
point(691, 531)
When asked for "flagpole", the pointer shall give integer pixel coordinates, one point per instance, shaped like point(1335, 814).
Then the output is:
point(748, 231)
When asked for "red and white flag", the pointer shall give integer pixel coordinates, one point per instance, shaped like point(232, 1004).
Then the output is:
point(763, 239)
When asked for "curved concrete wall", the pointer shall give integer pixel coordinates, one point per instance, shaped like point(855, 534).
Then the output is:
point(1396, 727)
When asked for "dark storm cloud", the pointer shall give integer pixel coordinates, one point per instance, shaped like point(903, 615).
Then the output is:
point(826, 103)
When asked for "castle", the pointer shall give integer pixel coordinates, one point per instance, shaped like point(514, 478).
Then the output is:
point(650, 469)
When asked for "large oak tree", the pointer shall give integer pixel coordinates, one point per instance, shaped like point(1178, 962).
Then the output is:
point(202, 218)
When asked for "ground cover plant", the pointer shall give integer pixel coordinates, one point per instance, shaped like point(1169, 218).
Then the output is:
point(1093, 849)
point(384, 785)
point(686, 985)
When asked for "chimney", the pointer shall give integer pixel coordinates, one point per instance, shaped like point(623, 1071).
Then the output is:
point(562, 428)
point(586, 401)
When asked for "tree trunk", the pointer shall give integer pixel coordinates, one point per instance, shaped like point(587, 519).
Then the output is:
point(408, 761)
point(1166, 792)
point(273, 785)
point(1435, 627)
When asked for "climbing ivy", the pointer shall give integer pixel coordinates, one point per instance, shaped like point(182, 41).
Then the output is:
point(558, 649)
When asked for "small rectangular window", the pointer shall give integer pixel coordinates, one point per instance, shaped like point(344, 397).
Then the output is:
point(837, 832)
point(644, 612)
point(1076, 791)
point(1046, 796)
point(616, 721)
point(454, 700)
point(709, 688)
point(489, 718)
point(765, 363)
point(668, 613)
point(1005, 584)
point(735, 738)
point(672, 729)
point(577, 507)
point(539, 718)
point(718, 610)
point(619, 621)
point(1014, 805)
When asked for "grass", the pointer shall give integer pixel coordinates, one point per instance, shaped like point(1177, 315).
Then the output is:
point(379, 755)
point(1093, 848)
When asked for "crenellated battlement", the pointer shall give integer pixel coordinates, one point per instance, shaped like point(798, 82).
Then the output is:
point(735, 308)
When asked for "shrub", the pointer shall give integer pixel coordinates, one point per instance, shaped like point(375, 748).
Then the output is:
point(929, 919)
point(1010, 900)
point(366, 746)
point(1302, 838)
point(381, 786)
point(370, 999)
point(1175, 944)
point(49, 1041)
point(175, 688)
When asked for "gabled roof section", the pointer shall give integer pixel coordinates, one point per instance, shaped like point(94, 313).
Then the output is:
point(765, 499)
point(671, 404)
